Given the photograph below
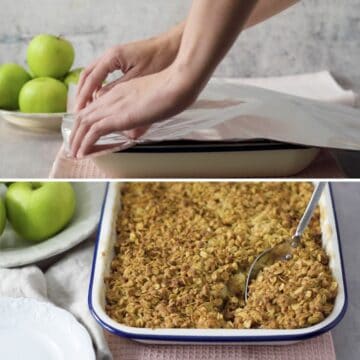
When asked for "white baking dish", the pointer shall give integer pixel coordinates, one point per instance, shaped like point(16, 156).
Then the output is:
point(191, 159)
point(104, 254)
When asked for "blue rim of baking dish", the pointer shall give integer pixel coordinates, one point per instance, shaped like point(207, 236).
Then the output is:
point(186, 146)
point(218, 339)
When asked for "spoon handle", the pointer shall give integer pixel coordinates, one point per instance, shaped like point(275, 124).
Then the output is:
point(315, 197)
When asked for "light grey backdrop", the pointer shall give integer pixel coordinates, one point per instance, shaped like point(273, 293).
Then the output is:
point(347, 204)
point(311, 36)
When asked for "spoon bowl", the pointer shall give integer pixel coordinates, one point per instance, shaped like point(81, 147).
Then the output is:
point(284, 250)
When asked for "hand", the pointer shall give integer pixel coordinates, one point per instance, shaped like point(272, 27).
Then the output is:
point(136, 103)
point(141, 101)
point(134, 59)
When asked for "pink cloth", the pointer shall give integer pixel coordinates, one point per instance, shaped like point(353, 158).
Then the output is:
point(324, 166)
point(319, 348)
point(67, 168)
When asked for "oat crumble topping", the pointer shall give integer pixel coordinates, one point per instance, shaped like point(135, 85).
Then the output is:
point(183, 251)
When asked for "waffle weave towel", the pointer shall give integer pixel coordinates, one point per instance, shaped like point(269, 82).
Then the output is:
point(320, 348)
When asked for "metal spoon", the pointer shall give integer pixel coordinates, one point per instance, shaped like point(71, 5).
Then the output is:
point(283, 251)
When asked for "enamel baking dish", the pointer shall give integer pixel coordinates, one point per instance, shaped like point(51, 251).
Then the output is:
point(191, 159)
point(104, 254)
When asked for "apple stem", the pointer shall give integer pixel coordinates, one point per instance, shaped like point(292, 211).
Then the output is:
point(36, 185)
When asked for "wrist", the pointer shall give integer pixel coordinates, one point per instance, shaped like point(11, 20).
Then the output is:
point(170, 41)
point(190, 73)
point(183, 87)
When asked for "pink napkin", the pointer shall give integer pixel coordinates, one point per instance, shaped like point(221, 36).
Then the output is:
point(319, 348)
point(324, 166)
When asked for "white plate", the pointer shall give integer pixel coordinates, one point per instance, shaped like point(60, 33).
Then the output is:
point(15, 251)
point(35, 330)
point(33, 121)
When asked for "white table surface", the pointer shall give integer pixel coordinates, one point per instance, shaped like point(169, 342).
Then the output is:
point(25, 153)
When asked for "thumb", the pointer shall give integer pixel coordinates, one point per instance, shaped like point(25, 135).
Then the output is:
point(132, 73)
point(137, 132)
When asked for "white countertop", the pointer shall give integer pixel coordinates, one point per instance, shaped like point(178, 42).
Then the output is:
point(26, 154)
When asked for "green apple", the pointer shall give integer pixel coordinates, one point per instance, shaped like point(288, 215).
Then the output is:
point(38, 211)
point(50, 56)
point(73, 76)
point(2, 216)
point(43, 95)
point(12, 79)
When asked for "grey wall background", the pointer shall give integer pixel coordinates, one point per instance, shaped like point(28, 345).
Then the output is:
point(311, 36)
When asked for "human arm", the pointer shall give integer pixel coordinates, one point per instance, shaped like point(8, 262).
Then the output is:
point(152, 55)
point(141, 101)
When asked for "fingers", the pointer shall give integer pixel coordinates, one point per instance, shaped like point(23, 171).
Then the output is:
point(95, 125)
point(88, 135)
point(85, 120)
point(110, 103)
point(93, 111)
point(126, 105)
point(97, 130)
point(106, 88)
point(93, 78)
point(91, 82)
point(84, 74)
point(132, 73)
point(136, 133)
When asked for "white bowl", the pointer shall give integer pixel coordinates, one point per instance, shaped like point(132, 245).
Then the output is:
point(35, 330)
point(14, 251)
point(101, 267)
point(48, 122)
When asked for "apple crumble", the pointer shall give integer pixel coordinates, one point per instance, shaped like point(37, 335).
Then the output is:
point(184, 249)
